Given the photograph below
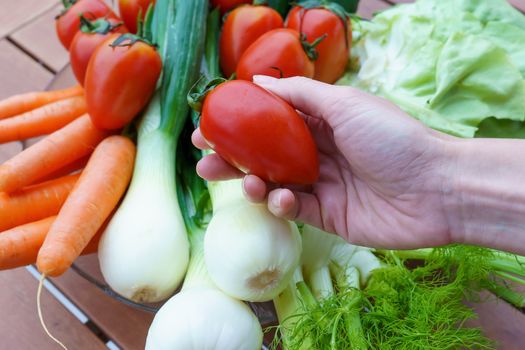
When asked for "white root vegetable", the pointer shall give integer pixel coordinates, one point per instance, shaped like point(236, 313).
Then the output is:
point(201, 317)
point(250, 254)
point(144, 251)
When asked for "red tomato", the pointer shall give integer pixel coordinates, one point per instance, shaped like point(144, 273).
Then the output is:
point(68, 23)
point(85, 43)
point(242, 27)
point(334, 50)
point(278, 53)
point(130, 9)
point(259, 133)
point(120, 81)
point(227, 5)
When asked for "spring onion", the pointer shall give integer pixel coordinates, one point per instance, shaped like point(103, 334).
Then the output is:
point(144, 251)
point(250, 253)
point(201, 316)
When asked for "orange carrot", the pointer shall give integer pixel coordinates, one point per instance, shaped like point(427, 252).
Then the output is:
point(42, 120)
point(62, 147)
point(20, 245)
point(35, 202)
point(96, 194)
point(22, 103)
point(69, 169)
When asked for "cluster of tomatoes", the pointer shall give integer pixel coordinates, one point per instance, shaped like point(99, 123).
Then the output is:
point(117, 68)
point(314, 41)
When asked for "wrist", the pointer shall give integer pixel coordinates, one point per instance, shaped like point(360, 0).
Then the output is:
point(484, 194)
point(452, 188)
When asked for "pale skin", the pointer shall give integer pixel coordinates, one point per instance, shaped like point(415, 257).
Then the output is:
point(388, 181)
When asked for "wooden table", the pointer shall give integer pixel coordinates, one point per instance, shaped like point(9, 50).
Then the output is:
point(77, 312)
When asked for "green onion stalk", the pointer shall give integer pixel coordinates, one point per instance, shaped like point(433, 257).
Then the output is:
point(144, 251)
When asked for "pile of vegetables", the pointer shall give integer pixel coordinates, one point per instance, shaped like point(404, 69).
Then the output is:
point(115, 172)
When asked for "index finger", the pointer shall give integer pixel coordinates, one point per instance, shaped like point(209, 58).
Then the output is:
point(198, 140)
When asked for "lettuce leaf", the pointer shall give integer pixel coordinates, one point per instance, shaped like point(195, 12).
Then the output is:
point(449, 63)
point(507, 129)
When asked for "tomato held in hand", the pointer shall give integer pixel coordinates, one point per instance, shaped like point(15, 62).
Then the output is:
point(91, 34)
point(242, 27)
point(259, 133)
point(130, 10)
point(227, 5)
point(278, 53)
point(68, 23)
point(334, 50)
point(120, 80)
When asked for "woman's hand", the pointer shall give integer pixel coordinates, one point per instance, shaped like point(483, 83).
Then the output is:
point(381, 172)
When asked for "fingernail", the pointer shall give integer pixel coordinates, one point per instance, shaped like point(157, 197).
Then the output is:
point(276, 200)
point(244, 180)
point(263, 79)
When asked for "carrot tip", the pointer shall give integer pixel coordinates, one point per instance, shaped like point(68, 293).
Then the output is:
point(48, 266)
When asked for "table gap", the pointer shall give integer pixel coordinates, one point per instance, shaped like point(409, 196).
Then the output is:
point(30, 55)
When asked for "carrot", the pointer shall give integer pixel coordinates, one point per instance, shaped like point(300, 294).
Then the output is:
point(20, 245)
point(22, 103)
point(66, 170)
point(42, 120)
point(35, 202)
point(96, 194)
point(53, 152)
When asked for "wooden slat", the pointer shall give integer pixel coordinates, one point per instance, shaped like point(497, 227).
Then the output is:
point(18, 72)
point(367, 8)
point(15, 13)
point(63, 79)
point(19, 325)
point(123, 324)
point(39, 39)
